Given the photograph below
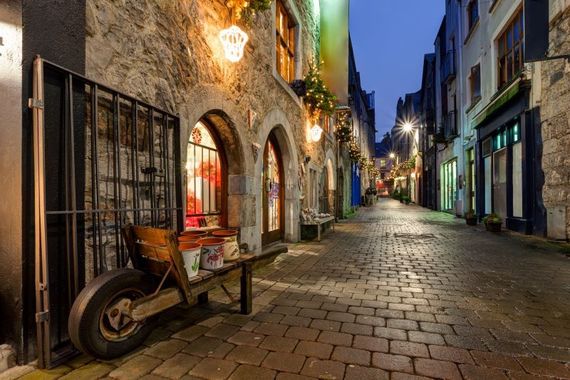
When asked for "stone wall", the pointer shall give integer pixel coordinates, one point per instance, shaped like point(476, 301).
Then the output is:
point(168, 54)
point(555, 116)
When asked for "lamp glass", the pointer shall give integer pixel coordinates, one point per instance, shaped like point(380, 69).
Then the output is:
point(408, 127)
point(316, 133)
point(233, 40)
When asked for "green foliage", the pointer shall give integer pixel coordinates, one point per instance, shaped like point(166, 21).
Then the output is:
point(492, 219)
point(251, 8)
point(470, 214)
point(343, 129)
point(319, 100)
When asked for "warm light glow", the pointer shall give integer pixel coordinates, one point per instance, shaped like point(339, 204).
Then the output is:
point(233, 40)
point(408, 127)
point(316, 133)
point(392, 155)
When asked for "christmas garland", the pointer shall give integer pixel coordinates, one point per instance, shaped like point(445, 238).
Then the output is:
point(343, 128)
point(247, 9)
point(319, 99)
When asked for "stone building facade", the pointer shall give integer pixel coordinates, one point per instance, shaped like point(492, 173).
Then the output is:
point(555, 120)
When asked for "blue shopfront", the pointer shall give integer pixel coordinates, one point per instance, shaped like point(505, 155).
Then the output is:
point(355, 186)
point(509, 177)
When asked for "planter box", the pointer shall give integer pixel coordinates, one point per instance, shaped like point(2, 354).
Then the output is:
point(471, 221)
point(493, 227)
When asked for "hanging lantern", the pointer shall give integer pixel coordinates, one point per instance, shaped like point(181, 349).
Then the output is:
point(316, 133)
point(233, 40)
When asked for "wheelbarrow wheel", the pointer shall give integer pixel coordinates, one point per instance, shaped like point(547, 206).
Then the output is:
point(96, 325)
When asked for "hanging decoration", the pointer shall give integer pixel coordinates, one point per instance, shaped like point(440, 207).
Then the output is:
point(318, 99)
point(233, 40)
point(343, 129)
point(316, 133)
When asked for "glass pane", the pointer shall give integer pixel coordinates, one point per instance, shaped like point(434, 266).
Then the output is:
point(517, 181)
point(500, 183)
point(273, 188)
point(488, 183)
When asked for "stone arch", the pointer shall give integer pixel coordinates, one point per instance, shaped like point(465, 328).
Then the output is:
point(275, 121)
point(330, 160)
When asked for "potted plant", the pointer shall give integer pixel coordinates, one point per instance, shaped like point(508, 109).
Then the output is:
point(406, 199)
point(471, 218)
point(493, 222)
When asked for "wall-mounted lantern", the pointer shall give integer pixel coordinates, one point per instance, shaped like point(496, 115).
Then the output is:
point(233, 41)
point(316, 133)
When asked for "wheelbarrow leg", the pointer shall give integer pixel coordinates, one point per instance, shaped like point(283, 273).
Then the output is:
point(246, 289)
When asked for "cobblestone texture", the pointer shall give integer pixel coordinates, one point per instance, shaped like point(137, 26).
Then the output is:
point(397, 292)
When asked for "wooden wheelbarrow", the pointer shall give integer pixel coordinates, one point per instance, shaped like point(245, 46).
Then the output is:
point(117, 311)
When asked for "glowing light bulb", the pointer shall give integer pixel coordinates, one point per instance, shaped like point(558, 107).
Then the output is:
point(233, 40)
point(408, 127)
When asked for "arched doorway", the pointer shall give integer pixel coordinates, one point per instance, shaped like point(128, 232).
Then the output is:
point(273, 193)
point(206, 178)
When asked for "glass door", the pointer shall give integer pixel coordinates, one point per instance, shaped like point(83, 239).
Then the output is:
point(500, 183)
point(272, 215)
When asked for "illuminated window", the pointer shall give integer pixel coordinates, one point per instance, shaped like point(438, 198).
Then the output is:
point(204, 178)
point(510, 51)
point(285, 43)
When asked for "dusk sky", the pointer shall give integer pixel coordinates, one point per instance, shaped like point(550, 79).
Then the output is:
point(390, 38)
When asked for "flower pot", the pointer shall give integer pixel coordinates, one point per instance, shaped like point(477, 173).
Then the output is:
point(191, 255)
point(493, 227)
point(471, 221)
point(231, 247)
point(212, 256)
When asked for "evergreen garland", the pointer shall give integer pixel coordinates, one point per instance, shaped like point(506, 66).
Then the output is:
point(319, 100)
point(343, 129)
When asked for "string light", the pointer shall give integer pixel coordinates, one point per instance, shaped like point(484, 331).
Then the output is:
point(233, 40)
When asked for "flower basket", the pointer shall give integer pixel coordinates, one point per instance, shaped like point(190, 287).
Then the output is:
point(493, 227)
point(471, 221)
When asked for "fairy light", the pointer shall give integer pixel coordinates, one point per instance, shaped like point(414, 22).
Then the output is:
point(233, 40)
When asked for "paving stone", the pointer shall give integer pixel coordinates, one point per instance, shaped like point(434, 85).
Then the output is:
point(351, 355)
point(292, 376)
point(452, 354)
point(314, 349)
point(364, 373)
point(191, 333)
point(335, 338)
point(246, 338)
point(284, 361)
point(323, 369)
point(287, 310)
point(356, 329)
point(247, 372)
point(388, 333)
point(268, 317)
point(135, 368)
point(409, 348)
point(471, 372)
point(496, 360)
point(222, 331)
point(334, 307)
point(277, 343)
point(371, 320)
point(340, 317)
point(437, 369)
point(402, 324)
point(312, 313)
point(302, 333)
point(361, 310)
point(466, 342)
point(406, 376)
point(544, 367)
point(166, 349)
point(271, 329)
point(438, 328)
point(177, 366)
point(370, 343)
point(247, 355)
point(92, 370)
point(392, 362)
point(208, 347)
point(321, 324)
point(215, 369)
point(295, 320)
point(424, 337)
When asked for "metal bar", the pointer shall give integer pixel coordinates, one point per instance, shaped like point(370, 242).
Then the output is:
point(116, 164)
point(195, 181)
point(93, 177)
point(178, 173)
point(111, 210)
point(118, 181)
point(73, 192)
point(41, 257)
point(95, 125)
point(167, 203)
point(151, 156)
point(135, 168)
point(164, 164)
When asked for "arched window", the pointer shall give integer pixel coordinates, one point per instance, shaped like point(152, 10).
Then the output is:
point(205, 178)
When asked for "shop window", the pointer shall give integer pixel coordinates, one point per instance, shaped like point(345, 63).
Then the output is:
point(472, 14)
point(204, 178)
point(449, 185)
point(285, 42)
point(510, 47)
point(517, 181)
point(475, 84)
point(515, 133)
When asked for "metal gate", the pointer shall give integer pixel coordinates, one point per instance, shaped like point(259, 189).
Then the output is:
point(102, 160)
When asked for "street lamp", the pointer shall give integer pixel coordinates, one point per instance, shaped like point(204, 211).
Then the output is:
point(392, 155)
point(316, 133)
point(408, 127)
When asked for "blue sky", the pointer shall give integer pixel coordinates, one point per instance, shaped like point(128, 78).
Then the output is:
point(390, 38)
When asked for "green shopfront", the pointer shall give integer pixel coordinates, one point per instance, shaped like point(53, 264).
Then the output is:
point(507, 164)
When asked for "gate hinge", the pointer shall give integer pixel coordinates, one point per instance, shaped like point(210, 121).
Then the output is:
point(35, 103)
point(42, 316)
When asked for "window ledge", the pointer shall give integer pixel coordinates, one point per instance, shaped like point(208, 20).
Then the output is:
point(287, 88)
point(474, 103)
point(472, 32)
point(494, 5)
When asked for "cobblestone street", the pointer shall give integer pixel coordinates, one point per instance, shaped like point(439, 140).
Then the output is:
point(397, 292)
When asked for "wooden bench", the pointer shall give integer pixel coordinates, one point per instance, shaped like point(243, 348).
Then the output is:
point(155, 251)
point(318, 223)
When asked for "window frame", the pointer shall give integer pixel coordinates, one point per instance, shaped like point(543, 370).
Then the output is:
point(508, 56)
point(289, 44)
point(223, 212)
point(473, 84)
point(473, 5)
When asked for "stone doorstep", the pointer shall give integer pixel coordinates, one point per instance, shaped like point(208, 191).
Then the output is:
point(7, 357)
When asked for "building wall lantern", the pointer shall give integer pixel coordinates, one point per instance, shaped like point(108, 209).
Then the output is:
point(233, 41)
point(316, 133)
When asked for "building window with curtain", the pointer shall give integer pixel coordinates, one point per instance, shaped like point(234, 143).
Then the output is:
point(510, 47)
point(205, 182)
point(285, 43)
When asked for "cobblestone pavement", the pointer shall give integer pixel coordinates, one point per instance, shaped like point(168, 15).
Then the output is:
point(397, 292)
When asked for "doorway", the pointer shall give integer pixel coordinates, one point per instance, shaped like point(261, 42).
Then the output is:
point(273, 193)
point(500, 183)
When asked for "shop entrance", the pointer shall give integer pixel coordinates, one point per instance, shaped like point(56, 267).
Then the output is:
point(500, 182)
point(273, 193)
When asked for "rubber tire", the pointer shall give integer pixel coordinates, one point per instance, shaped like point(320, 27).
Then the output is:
point(83, 323)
